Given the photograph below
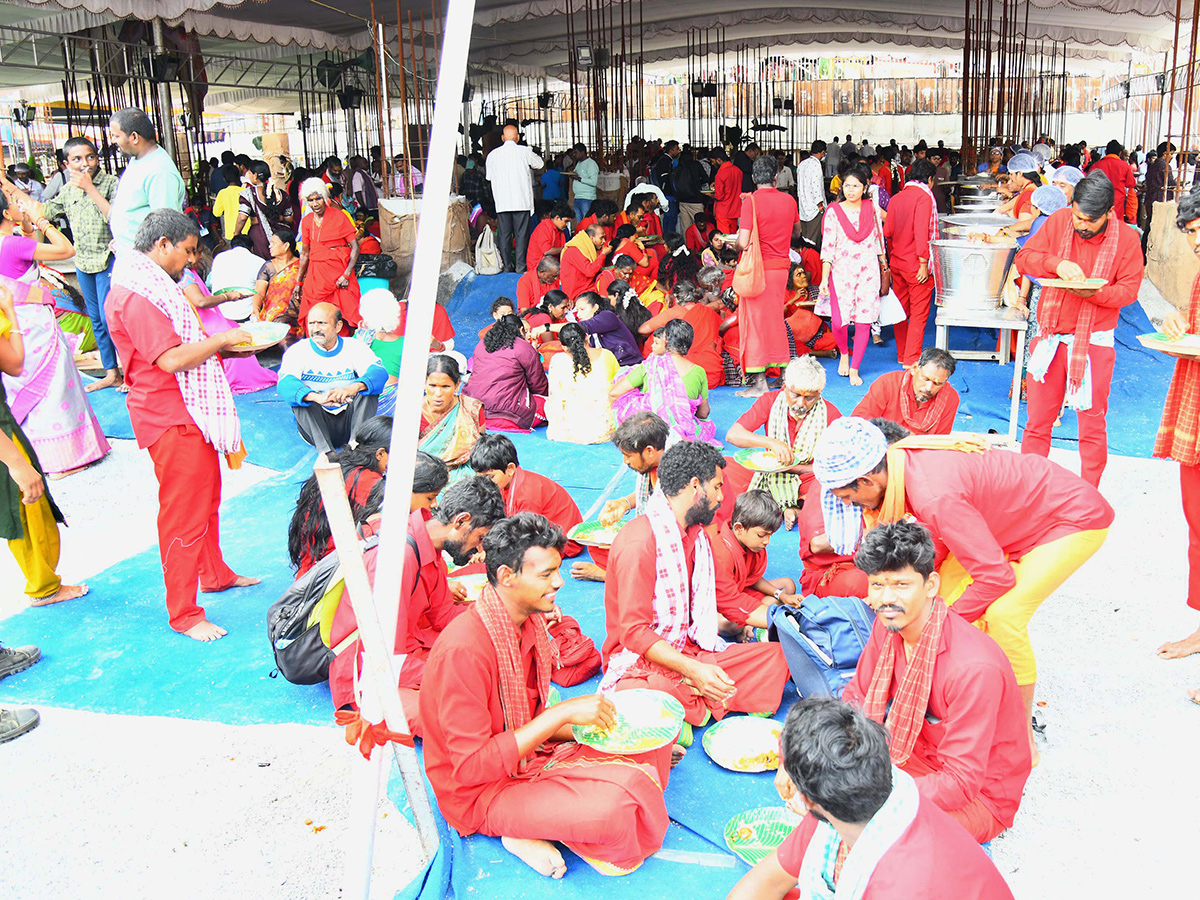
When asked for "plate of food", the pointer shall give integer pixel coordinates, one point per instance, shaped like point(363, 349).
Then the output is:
point(1088, 284)
point(594, 533)
point(473, 583)
point(744, 743)
point(754, 834)
point(1188, 345)
point(263, 335)
point(646, 720)
point(756, 459)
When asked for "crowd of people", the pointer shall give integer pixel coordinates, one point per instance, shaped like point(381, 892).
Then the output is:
point(712, 271)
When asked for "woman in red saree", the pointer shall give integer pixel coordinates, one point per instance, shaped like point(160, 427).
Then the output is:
point(327, 256)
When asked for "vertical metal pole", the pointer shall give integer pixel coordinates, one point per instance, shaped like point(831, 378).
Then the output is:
point(403, 82)
point(162, 94)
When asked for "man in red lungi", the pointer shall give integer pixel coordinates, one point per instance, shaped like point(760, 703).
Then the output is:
point(920, 397)
point(665, 637)
point(910, 225)
point(1073, 354)
point(181, 410)
point(764, 339)
point(549, 237)
point(503, 762)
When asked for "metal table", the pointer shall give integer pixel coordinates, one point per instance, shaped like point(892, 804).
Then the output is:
point(1007, 320)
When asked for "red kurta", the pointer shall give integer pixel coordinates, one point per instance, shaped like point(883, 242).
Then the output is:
point(995, 506)
point(588, 221)
point(883, 402)
point(530, 291)
point(706, 338)
point(328, 246)
point(737, 570)
point(603, 280)
point(977, 747)
point(443, 329)
point(934, 859)
point(728, 189)
point(643, 276)
point(603, 807)
point(531, 492)
point(825, 574)
point(758, 670)
point(906, 230)
point(763, 337)
point(1120, 173)
point(577, 274)
point(543, 238)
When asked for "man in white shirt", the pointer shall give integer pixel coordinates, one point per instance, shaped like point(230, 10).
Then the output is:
point(786, 180)
point(508, 169)
point(810, 193)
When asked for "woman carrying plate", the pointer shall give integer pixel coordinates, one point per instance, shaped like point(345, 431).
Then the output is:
point(450, 423)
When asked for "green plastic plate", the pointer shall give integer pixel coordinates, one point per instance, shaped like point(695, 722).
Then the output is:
point(646, 720)
point(754, 834)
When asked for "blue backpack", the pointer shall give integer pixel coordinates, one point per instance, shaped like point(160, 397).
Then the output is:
point(822, 641)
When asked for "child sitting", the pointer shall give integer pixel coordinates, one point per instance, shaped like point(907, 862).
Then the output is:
point(501, 307)
point(740, 561)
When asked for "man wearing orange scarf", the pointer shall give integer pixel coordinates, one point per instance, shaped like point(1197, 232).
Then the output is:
point(500, 759)
point(920, 397)
point(1017, 526)
point(944, 689)
point(1073, 354)
point(581, 261)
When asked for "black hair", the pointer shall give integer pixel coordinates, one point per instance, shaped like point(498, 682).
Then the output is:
point(764, 170)
point(506, 544)
point(624, 301)
point(818, 147)
point(921, 171)
point(634, 201)
point(601, 303)
point(478, 496)
point(678, 266)
point(1189, 208)
point(687, 460)
point(892, 431)
point(574, 341)
point(78, 141)
point(501, 302)
point(550, 298)
point(445, 365)
point(241, 240)
point(939, 357)
point(624, 261)
point(679, 335)
point(641, 431)
point(171, 224)
point(757, 509)
point(624, 231)
point(261, 171)
point(860, 172)
point(503, 334)
point(493, 452)
point(1094, 195)
point(560, 210)
point(242, 159)
point(286, 235)
point(895, 547)
point(602, 208)
point(792, 269)
point(308, 532)
point(231, 175)
point(132, 120)
point(430, 474)
point(837, 757)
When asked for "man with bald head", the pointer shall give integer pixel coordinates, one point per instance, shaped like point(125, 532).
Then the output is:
point(508, 169)
point(332, 383)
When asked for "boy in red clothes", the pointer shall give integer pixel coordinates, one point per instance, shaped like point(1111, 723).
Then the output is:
point(523, 491)
point(740, 558)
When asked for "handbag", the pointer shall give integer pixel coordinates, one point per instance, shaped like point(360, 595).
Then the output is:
point(885, 276)
point(750, 278)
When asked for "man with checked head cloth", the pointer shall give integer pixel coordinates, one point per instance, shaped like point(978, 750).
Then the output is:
point(1017, 526)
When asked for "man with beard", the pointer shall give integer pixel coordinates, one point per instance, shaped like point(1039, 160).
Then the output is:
point(920, 397)
point(943, 688)
point(150, 180)
point(427, 603)
point(666, 637)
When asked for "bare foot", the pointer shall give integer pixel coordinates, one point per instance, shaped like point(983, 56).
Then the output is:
point(678, 752)
point(877, 339)
point(1180, 649)
point(587, 571)
point(242, 581)
point(58, 476)
point(789, 518)
point(1194, 695)
point(111, 379)
point(123, 387)
point(854, 378)
point(844, 366)
point(206, 631)
point(1034, 753)
point(541, 856)
point(64, 592)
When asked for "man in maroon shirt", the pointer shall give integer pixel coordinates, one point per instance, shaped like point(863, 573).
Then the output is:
point(1119, 172)
point(1073, 355)
point(911, 223)
point(836, 772)
point(186, 462)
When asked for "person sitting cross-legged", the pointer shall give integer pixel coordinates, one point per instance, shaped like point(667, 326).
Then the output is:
point(744, 595)
point(502, 761)
point(945, 690)
point(333, 383)
point(525, 491)
point(867, 830)
point(920, 397)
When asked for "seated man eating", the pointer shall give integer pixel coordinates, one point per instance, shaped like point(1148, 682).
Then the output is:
point(867, 831)
point(332, 383)
point(660, 602)
point(524, 491)
point(956, 721)
point(920, 398)
point(500, 761)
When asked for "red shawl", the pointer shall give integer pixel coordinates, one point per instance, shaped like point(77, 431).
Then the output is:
point(1179, 434)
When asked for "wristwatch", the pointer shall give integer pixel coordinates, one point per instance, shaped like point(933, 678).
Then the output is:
point(778, 593)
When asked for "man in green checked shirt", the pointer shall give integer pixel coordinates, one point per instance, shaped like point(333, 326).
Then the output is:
point(84, 200)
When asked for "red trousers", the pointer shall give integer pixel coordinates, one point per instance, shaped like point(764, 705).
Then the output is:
point(979, 821)
point(1189, 489)
point(841, 579)
point(1045, 399)
point(188, 470)
point(915, 298)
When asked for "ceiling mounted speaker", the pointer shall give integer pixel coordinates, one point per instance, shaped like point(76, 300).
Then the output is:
point(161, 68)
point(777, 103)
point(789, 104)
point(710, 89)
point(350, 98)
point(544, 100)
point(602, 57)
point(698, 88)
point(329, 74)
point(468, 92)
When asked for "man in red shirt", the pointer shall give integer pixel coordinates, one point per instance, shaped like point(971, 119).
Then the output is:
point(582, 259)
point(1119, 172)
point(1017, 526)
point(603, 213)
point(428, 602)
point(495, 457)
point(910, 225)
point(181, 410)
point(963, 735)
point(1073, 354)
point(920, 397)
point(501, 760)
point(665, 637)
point(836, 771)
point(549, 237)
point(727, 188)
point(533, 286)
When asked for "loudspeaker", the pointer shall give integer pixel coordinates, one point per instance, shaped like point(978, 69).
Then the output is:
point(777, 103)
point(544, 99)
point(161, 68)
point(710, 89)
point(468, 92)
